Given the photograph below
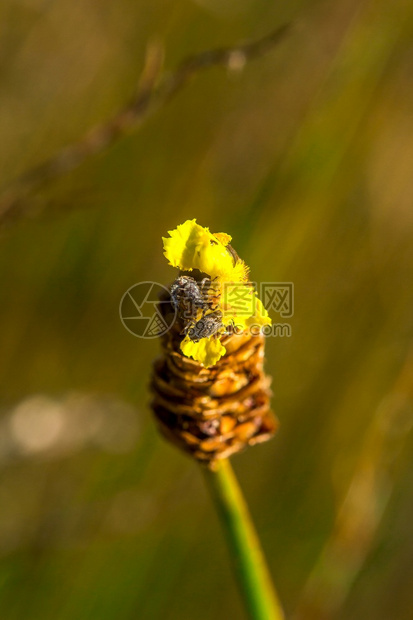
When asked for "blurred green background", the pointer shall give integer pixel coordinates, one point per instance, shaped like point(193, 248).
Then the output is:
point(306, 159)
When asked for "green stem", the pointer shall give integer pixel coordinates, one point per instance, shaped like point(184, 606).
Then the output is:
point(253, 575)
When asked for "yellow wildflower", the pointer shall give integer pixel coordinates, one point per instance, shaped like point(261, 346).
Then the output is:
point(191, 246)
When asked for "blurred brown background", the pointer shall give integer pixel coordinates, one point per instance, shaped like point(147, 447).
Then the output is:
point(306, 159)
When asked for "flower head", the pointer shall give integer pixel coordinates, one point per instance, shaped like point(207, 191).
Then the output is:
point(191, 246)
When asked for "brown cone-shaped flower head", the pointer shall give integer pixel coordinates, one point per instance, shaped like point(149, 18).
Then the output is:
point(215, 405)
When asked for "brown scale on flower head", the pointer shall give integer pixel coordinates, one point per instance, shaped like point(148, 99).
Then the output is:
point(210, 411)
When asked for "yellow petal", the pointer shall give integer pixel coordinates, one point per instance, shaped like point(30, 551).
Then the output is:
point(191, 246)
point(261, 315)
point(185, 244)
point(207, 351)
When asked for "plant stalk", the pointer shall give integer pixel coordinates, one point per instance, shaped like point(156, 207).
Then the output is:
point(250, 566)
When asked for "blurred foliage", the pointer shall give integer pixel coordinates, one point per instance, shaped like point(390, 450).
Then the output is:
point(306, 159)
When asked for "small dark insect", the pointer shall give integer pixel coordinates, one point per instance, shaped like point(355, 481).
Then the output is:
point(191, 298)
point(187, 296)
point(207, 326)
